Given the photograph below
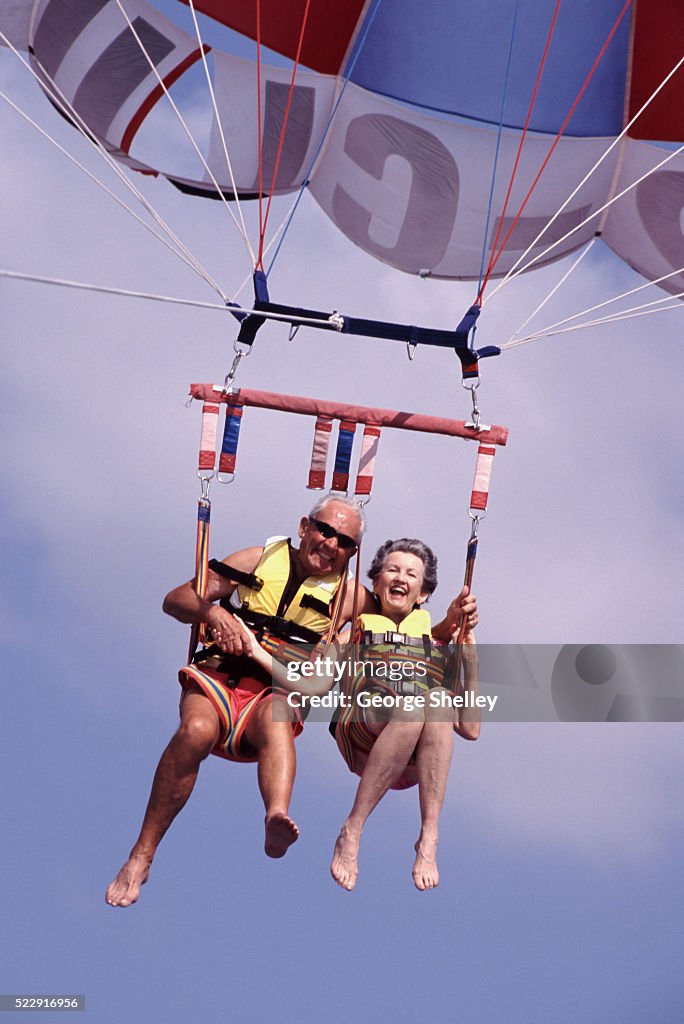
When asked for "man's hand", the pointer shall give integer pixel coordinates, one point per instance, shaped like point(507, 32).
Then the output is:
point(227, 633)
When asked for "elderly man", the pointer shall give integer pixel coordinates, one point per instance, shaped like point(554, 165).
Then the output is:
point(227, 701)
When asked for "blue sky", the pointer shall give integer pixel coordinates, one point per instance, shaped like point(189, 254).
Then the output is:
point(561, 898)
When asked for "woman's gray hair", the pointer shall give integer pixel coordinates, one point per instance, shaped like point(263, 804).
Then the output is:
point(412, 547)
point(341, 499)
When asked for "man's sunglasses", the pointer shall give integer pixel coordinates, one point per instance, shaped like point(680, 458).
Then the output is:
point(328, 531)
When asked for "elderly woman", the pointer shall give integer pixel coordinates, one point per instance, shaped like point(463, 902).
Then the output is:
point(400, 741)
point(410, 742)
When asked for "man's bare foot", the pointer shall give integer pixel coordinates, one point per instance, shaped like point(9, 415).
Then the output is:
point(425, 873)
point(125, 888)
point(281, 833)
point(345, 866)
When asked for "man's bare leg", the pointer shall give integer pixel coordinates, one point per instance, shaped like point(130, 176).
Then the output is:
point(433, 758)
point(274, 743)
point(173, 783)
point(387, 760)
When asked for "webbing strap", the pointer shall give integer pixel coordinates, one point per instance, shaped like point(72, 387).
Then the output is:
point(248, 579)
point(207, 450)
point(277, 625)
point(345, 442)
point(319, 454)
point(335, 611)
point(353, 648)
point(205, 470)
point(478, 507)
point(467, 355)
point(231, 436)
point(369, 451)
point(251, 323)
point(483, 475)
point(471, 555)
point(315, 603)
point(391, 639)
point(384, 329)
point(199, 630)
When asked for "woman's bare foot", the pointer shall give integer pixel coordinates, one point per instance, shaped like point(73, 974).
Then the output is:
point(281, 833)
point(425, 872)
point(125, 888)
point(345, 867)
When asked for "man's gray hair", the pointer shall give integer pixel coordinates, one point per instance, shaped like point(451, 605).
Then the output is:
point(341, 499)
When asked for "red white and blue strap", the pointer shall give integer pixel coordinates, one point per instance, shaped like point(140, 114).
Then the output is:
point(345, 443)
point(319, 453)
point(369, 451)
point(231, 436)
point(483, 475)
point(207, 450)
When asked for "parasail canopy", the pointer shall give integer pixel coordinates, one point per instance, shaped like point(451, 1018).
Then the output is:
point(399, 112)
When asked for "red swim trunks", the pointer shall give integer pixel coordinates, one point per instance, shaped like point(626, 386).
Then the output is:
point(235, 703)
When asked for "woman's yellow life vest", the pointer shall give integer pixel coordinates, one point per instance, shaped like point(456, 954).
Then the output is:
point(310, 604)
point(415, 626)
point(405, 647)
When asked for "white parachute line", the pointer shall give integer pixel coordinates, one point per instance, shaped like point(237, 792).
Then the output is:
point(626, 314)
point(279, 317)
point(553, 291)
point(607, 302)
point(186, 129)
point(70, 111)
point(511, 276)
point(513, 271)
point(270, 245)
point(594, 323)
point(105, 188)
point(64, 283)
point(220, 130)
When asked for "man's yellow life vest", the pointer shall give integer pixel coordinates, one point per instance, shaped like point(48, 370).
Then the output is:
point(310, 604)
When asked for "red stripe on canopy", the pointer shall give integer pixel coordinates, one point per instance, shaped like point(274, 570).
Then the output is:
point(329, 29)
point(658, 45)
point(151, 101)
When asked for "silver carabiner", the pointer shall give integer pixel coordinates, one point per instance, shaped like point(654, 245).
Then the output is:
point(475, 423)
point(230, 376)
point(476, 517)
point(204, 484)
point(246, 349)
point(472, 388)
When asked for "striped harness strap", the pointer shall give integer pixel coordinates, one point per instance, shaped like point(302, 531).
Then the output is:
point(276, 625)
point(399, 640)
point(281, 648)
